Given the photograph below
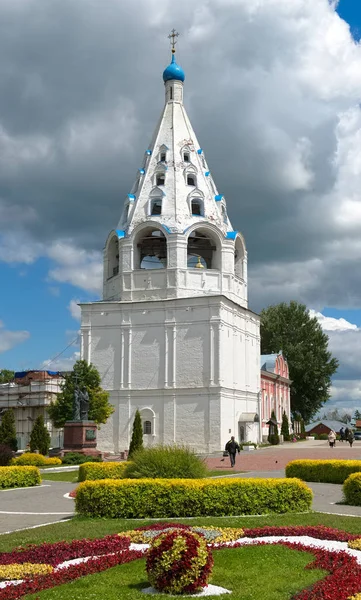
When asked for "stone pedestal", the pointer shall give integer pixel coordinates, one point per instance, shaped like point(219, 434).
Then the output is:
point(80, 436)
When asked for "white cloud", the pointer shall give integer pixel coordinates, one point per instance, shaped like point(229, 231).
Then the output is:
point(74, 309)
point(332, 324)
point(61, 363)
point(10, 339)
point(76, 266)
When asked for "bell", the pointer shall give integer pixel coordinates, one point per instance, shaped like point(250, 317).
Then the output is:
point(199, 264)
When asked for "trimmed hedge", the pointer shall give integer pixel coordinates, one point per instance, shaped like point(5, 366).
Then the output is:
point(36, 460)
point(12, 477)
point(324, 471)
point(352, 489)
point(143, 498)
point(110, 470)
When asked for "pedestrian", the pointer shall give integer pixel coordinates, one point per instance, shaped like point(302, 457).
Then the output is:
point(347, 431)
point(332, 438)
point(350, 438)
point(342, 434)
point(232, 447)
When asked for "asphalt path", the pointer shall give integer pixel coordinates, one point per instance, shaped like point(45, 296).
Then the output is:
point(33, 506)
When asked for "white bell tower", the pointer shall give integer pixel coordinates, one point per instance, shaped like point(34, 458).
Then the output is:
point(173, 335)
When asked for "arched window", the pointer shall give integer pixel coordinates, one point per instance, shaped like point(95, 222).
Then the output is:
point(156, 207)
point(202, 250)
point(113, 257)
point(163, 156)
point(150, 249)
point(239, 258)
point(186, 157)
point(197, 207)
point(160, 179)
point(147, 427)
point(191, 179)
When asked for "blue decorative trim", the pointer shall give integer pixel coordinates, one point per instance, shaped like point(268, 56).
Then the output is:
point(166, 228)
point(199, 151)
point(149, 152)
point(141, 171)
point(131, 197)
point(120, 233)
point(207, 173)
point(218, 198)
point(231, 235)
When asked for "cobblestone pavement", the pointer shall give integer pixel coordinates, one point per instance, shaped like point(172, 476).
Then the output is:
point(274, 458)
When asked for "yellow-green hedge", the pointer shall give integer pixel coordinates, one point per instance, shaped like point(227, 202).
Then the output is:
point(19, 477)
point(36, 460)
point(352, 489)
point(110, 470)
point(324, 471)
point(141, 498)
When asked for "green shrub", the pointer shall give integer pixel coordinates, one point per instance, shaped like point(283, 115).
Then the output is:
point(76, 458)
point(6, 455)
point(285, 429)
point(352, 489)
point(166, 462)
point(8, 430)
point(136, 443)
point(163, 498)
point(40, 437)
point(273, 437)
point(109, 470)
point(324, 471)
point(12, 477)
point(322, 436)
point(37, 460)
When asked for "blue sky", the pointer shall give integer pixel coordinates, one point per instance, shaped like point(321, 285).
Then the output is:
point(75, 118)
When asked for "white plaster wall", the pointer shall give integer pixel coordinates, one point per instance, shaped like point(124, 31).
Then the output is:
point(178, 358)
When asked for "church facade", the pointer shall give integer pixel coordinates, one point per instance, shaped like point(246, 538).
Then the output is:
point(173, 335)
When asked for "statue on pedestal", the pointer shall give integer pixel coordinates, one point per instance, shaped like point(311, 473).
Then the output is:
point(80, 404)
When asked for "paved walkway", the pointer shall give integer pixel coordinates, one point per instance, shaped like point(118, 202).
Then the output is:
point(28, 507)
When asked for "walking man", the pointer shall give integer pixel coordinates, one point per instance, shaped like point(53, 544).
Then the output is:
point(232, 447)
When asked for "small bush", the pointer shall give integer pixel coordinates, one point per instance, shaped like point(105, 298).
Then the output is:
point(163, 498)
point(273, 437)
point(323, 471)
point(136, 443)
point(322, 436)
point(285, 429)
point(40, 437)
point(166, 462)
point(6, 455)
point(12, 477)
point(76, 458)
point(37, 460)
point(352, 489)
point(8, 430)
point(108, 470)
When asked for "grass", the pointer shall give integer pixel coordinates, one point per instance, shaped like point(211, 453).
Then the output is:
point(71, 476)
point(80, 527)
point(283, 574)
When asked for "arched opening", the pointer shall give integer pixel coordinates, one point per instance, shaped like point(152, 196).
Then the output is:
point(156, 207)
point(147, 427)
point(239, 256)
point(191, 179)
point(113, 257)
point(160, 179)
point(201, 250)
point(197, 207)
point(150, 249)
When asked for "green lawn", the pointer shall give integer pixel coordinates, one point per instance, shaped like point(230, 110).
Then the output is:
point(80, 527)
point(238, 570)
point(65, 476)
point(229, 471)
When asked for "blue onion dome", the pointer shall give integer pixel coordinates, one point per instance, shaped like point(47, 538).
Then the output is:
point(173, 71)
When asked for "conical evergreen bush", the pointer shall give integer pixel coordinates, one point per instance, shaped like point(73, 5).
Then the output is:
point(136, 442)
point(40, 437)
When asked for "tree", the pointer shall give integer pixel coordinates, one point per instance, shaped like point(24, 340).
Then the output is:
point(357, 415)
point(290, 328)
point(82, 375)
point(136, 443)
point(40, 436)
point(6, 376)
point(273, 437)
point(336, 415)
point(285, 428)
point(8, 430)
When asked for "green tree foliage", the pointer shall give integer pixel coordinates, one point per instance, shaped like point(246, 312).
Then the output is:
point(136, 443)
point(357, 415)
point(290, 328)
point(273, 437)
point(285, 428)
point(6, 376)
point(82, 375)
point(40, 437)
point(8, 430)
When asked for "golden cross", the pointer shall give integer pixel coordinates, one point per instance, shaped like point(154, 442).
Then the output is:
point(172, 36)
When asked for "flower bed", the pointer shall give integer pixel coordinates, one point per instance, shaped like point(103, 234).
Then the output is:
point(12, 477)
point(323, 471)
point(342, 583)
point(142, 498)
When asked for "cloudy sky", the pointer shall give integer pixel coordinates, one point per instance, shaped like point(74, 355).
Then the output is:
point(273, 90)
